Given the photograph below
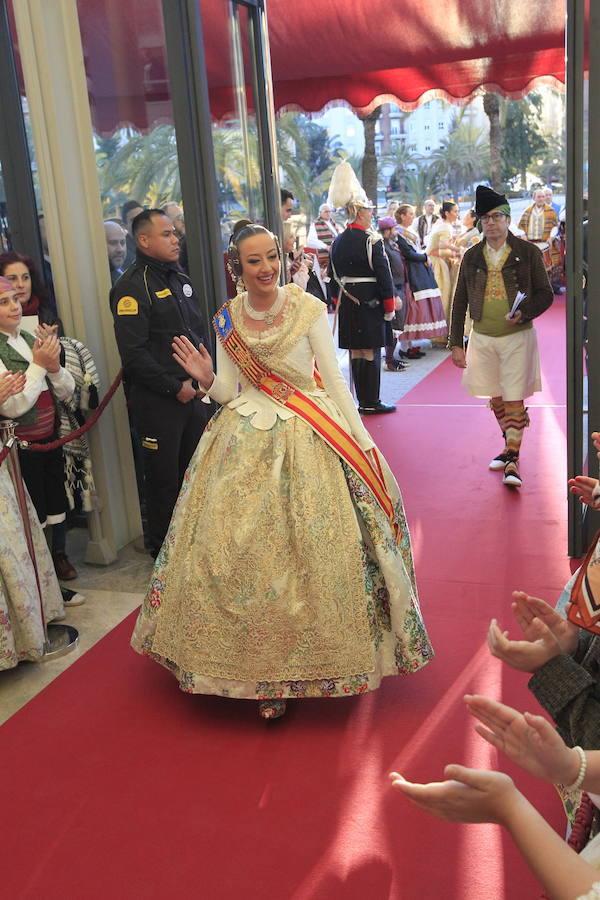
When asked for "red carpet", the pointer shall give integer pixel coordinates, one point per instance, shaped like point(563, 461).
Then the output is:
point(117, 785)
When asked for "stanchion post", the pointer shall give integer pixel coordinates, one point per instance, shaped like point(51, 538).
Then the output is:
point(58, 638)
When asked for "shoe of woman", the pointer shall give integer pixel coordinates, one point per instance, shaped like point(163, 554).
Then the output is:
point(395, 366)
point(271, 709)
point(414, 353)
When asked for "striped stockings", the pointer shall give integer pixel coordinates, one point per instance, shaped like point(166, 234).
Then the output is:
point(516, 419)
point(497, 407)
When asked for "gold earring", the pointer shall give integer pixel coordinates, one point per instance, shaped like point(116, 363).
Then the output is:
point(240, 287)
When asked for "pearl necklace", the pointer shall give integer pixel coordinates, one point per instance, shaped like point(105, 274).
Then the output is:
point(267, 316)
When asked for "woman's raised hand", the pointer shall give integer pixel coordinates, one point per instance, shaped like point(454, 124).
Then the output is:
point(11, 383)
point(528, 740)
point(197, 363)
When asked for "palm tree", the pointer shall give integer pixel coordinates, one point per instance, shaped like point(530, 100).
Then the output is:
point(404, 160)
point(462, 158)
point(491, 107)
point(422, 183)
point(306, 177)
point(369, 166)
point(146, 167)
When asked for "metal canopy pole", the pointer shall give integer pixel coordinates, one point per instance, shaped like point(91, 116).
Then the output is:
point(574, 261)
point(14, 153)
point(193, 127)
point(592, 519)
point(265, 115)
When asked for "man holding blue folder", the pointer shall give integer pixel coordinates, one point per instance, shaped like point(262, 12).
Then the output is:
point(503, 284)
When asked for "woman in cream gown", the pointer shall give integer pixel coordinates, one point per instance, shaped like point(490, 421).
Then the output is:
point(21, 628)
point(280, 576)
point(443, 253)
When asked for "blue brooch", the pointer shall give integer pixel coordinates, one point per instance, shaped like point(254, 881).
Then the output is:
point(223, 323)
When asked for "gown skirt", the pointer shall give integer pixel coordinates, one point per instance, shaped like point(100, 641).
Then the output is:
point(280, 576)
point(21, 628)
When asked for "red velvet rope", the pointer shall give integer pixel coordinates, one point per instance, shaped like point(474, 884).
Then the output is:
point(89, 423)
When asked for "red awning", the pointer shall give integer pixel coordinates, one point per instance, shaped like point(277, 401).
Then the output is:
point(363, 52)
point(368, 52)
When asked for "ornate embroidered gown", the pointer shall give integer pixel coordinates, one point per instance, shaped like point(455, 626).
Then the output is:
point(21, 629)
point(280, 575)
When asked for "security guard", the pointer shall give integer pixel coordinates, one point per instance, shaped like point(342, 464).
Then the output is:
point(362, 285)
point(153, 302)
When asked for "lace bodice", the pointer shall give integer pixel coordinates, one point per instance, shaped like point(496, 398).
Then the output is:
point(299, 337)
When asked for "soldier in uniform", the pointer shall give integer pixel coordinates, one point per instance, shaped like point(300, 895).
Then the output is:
point(363, 288)
point(152, 303)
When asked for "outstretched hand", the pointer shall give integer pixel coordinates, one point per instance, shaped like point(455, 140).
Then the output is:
point(582, 486)
point(469, 796)
point(528, 740)
point(197, 363)
point(11, 383)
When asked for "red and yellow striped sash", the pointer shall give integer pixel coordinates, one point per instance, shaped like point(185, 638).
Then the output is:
point(368, 468)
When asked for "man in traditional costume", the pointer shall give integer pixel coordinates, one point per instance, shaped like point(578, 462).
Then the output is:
point(503, 284)
point(425, 222)
point(537, 223)
point(363, 288)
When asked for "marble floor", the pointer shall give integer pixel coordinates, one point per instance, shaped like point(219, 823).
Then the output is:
point(114, 591)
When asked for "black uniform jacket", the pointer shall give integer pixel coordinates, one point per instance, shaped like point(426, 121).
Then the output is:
point(153, 302)
point(361, 325)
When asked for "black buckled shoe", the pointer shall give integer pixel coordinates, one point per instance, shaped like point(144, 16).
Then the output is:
point(377, 409)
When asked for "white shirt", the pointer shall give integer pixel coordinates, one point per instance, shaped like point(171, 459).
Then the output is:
point(62, 381)
point(495, 254)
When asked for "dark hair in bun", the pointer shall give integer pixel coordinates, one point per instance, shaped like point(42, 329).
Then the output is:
point(447, 206)
point(242, 230)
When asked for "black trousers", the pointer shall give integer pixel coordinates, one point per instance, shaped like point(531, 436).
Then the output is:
point(44, 475)
point(169, 432)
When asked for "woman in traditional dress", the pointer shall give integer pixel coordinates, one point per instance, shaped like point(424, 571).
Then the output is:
point(21, 627)
point(287, 570)
point(424, 313)
point(444, 254)
point(470, 235)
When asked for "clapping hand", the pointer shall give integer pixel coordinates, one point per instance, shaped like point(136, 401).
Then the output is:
point(197, 363)
point(11, 383)
point(529, 655)
point(44, 331)
point(46, 353)
point(527, 608)
point(469, 796)
point(528, 740)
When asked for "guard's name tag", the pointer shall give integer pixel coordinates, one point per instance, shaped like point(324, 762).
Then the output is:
point(187, 290)
point(164, 293)
point(127, 306)
point(150, 443)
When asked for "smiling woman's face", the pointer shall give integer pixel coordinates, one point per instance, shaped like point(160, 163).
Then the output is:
point(10, 312)
point(260, 264)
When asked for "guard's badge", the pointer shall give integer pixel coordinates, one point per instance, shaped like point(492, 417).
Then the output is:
point(127, 306)
point(150, 443)
point(164, 293)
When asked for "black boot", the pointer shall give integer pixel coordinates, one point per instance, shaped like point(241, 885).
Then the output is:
point(370, 404)
point(357, 376)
